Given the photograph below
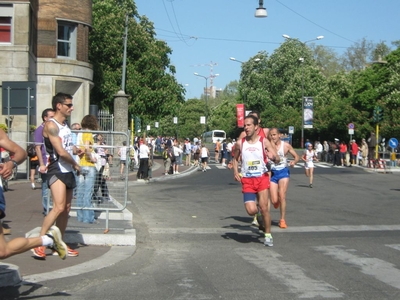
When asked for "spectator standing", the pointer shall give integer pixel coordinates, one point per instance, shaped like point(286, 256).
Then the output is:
point(364, 152)
point(343, 150)
point(177, 153)
point(325, 153)
point(336, 152)
point(229, 147)
point(319, 149)
point(101, 182)
point(196, 154)
point(47, 114)
point(188, 151)
point(371, 145)
point(34, 163)
point(122, 153)
point(205, 154)
point(224, 153)
point(166, 154)
point(354, 153)
point(144, 152)
point(88, 174)
point(217, 149)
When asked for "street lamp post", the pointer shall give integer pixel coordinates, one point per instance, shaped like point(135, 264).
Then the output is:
point(206, 92)
point(301, 59)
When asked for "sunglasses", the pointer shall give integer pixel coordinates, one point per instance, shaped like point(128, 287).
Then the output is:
point(69, 105)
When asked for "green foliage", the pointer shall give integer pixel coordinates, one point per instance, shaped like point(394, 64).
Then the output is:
point(150, 77)
point(345, 89)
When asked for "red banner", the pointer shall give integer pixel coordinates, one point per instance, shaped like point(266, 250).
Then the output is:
point(240, 115)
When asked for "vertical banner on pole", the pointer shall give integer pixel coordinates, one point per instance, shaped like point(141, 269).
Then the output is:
point(240, 115)
point(308, 116)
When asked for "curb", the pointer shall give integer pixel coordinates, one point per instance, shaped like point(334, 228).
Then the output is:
point(9, 275)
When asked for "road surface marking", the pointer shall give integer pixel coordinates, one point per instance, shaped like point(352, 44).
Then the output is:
point(375, 267)
point(288, 274)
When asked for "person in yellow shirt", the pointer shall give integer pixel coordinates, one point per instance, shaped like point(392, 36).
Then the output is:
point(87, 177)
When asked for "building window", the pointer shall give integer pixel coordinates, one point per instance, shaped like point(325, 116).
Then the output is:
point(5, 29)
point(66, 40)
point(6, 13)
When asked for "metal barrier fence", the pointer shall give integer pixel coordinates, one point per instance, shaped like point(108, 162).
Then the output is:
point(103, 187)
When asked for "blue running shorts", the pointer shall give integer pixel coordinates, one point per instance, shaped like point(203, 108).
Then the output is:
point(279, 174)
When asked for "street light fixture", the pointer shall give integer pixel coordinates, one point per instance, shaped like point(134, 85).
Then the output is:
point(301, 59)
point(261, 12)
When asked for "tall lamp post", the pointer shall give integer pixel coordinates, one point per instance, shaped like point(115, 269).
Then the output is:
point(206, 92)
point(301, 59)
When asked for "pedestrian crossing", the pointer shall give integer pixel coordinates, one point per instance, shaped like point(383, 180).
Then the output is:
point(301, 281)
point(299, 273)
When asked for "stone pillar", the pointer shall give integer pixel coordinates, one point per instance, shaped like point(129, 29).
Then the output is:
point(120, 117)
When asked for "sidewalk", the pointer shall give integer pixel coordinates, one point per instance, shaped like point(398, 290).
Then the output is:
point(24, 217)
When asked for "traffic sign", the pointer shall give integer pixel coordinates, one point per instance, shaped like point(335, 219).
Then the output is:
point(291, 129)
point(393, 143)
point(351, 126)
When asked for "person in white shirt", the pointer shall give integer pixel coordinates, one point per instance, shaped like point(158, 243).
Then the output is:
point(144, 151)
point(319, 149)
point(177, 153)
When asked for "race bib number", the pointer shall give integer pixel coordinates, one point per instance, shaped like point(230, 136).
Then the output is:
point(253, 168)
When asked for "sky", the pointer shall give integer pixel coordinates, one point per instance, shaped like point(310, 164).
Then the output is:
point(204, 34)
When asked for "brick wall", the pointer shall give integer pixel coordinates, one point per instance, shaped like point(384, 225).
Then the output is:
point(74, 11)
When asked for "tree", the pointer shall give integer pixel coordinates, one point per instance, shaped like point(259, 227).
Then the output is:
point(150, 77)
point(327, 60)
point(356, 56)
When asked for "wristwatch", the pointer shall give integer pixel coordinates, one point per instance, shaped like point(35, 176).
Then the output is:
point(15, 163)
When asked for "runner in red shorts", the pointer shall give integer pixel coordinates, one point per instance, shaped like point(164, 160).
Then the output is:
point(253, 176)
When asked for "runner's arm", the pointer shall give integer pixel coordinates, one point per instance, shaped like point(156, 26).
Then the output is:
point(51, 131)
point(271, 151)
point(294, 154)
point(235, 161)
point(19, 154)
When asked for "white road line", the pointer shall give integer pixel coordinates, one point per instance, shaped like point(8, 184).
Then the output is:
point(220, 167)
point(394, 246)
point(303, 229)
point(288, 274)
point(377, 268)
point(114, 255)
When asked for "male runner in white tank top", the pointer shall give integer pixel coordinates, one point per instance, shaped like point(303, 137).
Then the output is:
point(254, 177)
point(280, 173)
point(60, 177)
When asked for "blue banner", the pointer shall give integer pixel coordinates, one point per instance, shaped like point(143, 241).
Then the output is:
point(308, 110)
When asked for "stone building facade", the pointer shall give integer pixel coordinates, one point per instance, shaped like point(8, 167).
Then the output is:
point(46, 43)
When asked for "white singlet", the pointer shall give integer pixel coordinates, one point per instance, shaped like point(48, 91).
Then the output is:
point(283, 160)
point(309, 159)
point(253, 158)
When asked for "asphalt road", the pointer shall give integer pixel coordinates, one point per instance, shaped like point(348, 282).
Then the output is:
point(195, 241)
